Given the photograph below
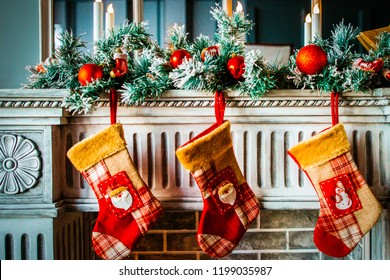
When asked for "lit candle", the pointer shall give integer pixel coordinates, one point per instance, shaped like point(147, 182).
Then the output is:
point(240, 11)
point(110, 19)
point(315, 22)
point(320, 11)
point(227, 6)
point(138, 10)
point(239, 8)
point(307, 30)
point(97, 19)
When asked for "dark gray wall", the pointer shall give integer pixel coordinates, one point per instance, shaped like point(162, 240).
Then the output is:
point(19, 43)
point(281, 21)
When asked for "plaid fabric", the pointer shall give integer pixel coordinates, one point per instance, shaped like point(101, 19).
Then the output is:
point(345, 164)
point(149, 213)
point(109, 247)
point(203, 175)
point(247, 209)
point(346, 228)
point(96, 175)
point(215, 246)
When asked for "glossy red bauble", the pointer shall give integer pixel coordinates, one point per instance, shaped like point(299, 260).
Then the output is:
point(89, 72)
point(236, 66)
point(178, 56)
point(40, 68)
point(211, 51)
point(311, 59)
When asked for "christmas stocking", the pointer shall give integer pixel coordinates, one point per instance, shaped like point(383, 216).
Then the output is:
point(230, 206)
point(348, 209)
point(127, 208)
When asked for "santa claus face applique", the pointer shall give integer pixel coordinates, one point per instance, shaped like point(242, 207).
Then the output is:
point(340, 195)
point(227, 193)
point(224, 191)
point(121, 198)
point(120, 194)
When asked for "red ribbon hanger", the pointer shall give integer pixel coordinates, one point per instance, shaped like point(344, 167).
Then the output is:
point(334, 104)
point(119, 71)
point(113, 97)
point(219, 106)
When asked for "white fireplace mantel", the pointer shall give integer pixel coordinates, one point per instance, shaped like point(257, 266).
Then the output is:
point(262, 131)
point(45, 211)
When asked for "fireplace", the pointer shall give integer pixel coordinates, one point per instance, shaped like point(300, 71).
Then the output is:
point(49, 213)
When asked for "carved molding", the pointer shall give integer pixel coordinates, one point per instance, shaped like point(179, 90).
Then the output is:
point(30, 104)
point(50, 98)
point(209, 103)
point(20, 164)
point(258, 103)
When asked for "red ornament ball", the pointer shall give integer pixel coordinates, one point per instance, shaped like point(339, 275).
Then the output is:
point(178, 56)
point(89, 72)
point(40, 69)
point(236, 66)
point(211, 51)
point(311, 59)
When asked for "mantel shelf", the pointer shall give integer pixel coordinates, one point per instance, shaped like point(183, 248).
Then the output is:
point(57, 95)
point(262, 132)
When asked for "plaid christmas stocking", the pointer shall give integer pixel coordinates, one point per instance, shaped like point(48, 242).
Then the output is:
point(127, 208)
point(229, 204)
point(348, 209)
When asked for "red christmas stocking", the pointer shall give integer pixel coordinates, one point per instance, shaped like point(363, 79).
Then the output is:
point(230, 206)
point(127, 208)
point(348, 209)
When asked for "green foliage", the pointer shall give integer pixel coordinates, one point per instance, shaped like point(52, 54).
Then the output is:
point(61, 70)
point(383, 49)
point(128, 37)
point(201, 42)
point(231, 28)
point(178, 37)
point(150, 73)
point(150, 78)
point(212, 74)
point(340, 75)
point(340, 44)
point(258, 77)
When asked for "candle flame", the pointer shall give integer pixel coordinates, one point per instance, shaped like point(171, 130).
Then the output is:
point(239, 8)
point(316, 9)
point(308, 18)
point(110, 9)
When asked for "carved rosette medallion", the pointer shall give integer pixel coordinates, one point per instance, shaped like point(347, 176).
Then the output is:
point(20, 164)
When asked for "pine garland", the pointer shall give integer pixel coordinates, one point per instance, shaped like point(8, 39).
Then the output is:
point(150, 77)
point(212, 74)
point(150, 72)
point(178, 37)
point(382, 49)
point(340, 75)
point(127, 37)
point(61, 70)
point(231, 28)
point(258, 77)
